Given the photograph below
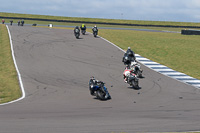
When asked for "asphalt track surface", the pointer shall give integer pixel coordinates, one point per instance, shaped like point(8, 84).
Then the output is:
point(56, 68)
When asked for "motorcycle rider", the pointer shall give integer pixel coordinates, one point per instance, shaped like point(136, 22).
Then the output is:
point(22, 23)
point(95, 29)
point(129, 56)
point(3, 21)
point(132, 66)
point(127, 73)
point(94, 85)
point(18, 22)
point(11, 22)
point(76, 30)
point(83, 27)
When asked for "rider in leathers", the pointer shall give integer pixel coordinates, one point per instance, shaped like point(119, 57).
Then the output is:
point(83, 27)
point(95, 29)
point(94, 86)
point(76, 29)
point(129, 57)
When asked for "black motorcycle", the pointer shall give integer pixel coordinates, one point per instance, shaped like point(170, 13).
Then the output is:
point(95, 32)
point(99, 90)
point(22, 23)
point(77, 33)
point(83, 31)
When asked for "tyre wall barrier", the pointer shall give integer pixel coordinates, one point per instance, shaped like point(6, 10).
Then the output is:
point(69, 21)
point(190, 32)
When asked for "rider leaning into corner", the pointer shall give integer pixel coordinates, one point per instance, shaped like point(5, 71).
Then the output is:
point(129, 57)
point(94, 86)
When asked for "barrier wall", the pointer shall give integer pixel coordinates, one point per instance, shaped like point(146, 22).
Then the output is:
point(190, 32)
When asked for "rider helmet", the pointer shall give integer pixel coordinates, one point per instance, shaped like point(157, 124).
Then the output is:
point(130, 53)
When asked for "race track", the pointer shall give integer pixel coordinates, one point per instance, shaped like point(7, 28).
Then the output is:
point(56, 68)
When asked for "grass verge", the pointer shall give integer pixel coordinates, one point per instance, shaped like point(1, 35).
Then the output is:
point(9, 85)
point(179, 52)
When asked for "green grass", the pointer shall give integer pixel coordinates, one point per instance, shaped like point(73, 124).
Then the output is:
point(9, 86)
point(179, 52)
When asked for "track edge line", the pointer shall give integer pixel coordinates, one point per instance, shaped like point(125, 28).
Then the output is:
point(18, 73)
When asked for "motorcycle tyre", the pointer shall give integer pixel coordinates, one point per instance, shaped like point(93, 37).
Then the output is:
point(139, 74)
point(95, 34)
point(134, 84)
point(77, 36)
point(100, 95)
point(83, 32)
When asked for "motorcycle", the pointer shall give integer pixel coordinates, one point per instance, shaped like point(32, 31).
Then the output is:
point(83, 31)
point(22, 23)
point(77, 33)
point(99, 90)
point(95, 32)
point(131, 78)
point(137, 69)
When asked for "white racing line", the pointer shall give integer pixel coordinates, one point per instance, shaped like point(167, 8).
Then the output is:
point(18, 73)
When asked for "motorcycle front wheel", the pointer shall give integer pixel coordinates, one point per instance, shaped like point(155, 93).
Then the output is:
point(135, 84)
point(100, 95)
point(77, 36)
point(139, 74)
point(95, 34)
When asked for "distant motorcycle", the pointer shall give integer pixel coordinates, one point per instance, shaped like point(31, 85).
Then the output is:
point(137, 69)
point(22, 23)
point(99, 90)
point(77, 33)
point(95, 31)
point(83, 31)
point(131, 78)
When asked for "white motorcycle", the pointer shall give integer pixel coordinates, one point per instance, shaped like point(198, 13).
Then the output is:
point(136, 69)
